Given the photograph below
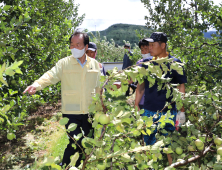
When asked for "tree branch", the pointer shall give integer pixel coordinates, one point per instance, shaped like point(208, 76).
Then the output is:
point(182, 163)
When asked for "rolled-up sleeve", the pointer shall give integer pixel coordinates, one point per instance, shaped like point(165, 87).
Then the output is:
point(52, 76)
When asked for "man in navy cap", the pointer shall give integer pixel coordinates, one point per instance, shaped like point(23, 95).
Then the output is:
point(144, 47)
point(91, 52)
point(155, 99)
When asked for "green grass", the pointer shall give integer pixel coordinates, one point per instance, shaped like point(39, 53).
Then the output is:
point(59, 146)
point(54, 140)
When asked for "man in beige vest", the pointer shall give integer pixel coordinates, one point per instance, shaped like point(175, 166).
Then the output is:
point(80, 77)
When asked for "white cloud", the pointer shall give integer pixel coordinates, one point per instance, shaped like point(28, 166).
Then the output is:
point(101, 14)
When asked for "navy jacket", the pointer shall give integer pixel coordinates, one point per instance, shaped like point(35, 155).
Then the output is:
point(126, 61)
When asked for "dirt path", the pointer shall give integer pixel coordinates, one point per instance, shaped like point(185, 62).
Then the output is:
point(31, 138)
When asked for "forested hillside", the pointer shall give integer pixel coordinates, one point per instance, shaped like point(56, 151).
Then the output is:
point(128, 32)
point(120, 32)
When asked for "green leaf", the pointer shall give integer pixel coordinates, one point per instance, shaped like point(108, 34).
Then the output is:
point(141, 111)
point(126, 120)
point(151, 81)
point(2, 44)
point(78, 136)
point(143, 132)
point(148, 131)
point(124, 87)
point(64, 121)
point(57, 167)
point(17, 70)
point(143, 71)
point(5, 108)
point(16, 64)
point(149, 123)
point(74, 158)
point(6, 7)
point(120, 127)
point(2, 69)
point(72, 127)
point(162, 118)
point(9, 71)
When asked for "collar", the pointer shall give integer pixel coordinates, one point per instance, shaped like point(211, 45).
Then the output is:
point(74, 61)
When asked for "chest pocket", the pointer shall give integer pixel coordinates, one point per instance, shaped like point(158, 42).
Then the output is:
point(72, 78)
point(92, 77)
point(71, 101)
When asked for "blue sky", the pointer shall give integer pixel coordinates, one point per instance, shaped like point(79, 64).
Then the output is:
point(100, 14)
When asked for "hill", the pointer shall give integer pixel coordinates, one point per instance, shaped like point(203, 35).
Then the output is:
point(120, 32)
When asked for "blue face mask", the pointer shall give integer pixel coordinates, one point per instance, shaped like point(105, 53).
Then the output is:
point(77, 53)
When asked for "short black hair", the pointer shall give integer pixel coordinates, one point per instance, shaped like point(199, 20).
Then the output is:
point(143, 42)
point(79, 32)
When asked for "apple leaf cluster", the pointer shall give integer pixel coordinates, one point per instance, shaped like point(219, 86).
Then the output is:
point(117, 141)
point(33, 37)
point(185, 23)
point(107, 51)
point(196, 144)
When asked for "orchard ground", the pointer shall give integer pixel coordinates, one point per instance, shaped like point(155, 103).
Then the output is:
point(40, 137)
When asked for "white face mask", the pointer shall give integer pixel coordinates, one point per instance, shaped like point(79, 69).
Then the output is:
point(145, 55)
point(77, 53)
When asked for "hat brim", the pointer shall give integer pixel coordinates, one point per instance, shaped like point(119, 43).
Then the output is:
point(149, 40)
point(92, 49)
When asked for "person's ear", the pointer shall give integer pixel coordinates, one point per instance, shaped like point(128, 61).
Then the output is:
point(86, 48)
point(163, 45)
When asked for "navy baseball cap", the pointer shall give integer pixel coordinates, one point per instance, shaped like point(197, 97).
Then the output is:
point(157, 36)
point(92, 46)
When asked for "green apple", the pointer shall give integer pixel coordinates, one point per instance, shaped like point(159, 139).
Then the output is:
point(10, 136)
point(13, 82)
point(215, 116)
point(218, 141)
point(219, 151)
point(97, 116)
point(200, 147)
point(190, 148)
point(218, 146)
point(199, 143)
point(179, 151)
point(104, 119)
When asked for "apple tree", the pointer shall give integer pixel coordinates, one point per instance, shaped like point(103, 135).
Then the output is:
point(37, 33)
point(107, 51)
point(117, 141)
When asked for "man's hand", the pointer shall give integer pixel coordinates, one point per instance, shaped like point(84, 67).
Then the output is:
point(30, 89)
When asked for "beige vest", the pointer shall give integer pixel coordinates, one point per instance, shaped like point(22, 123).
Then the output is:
point(78, 85)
